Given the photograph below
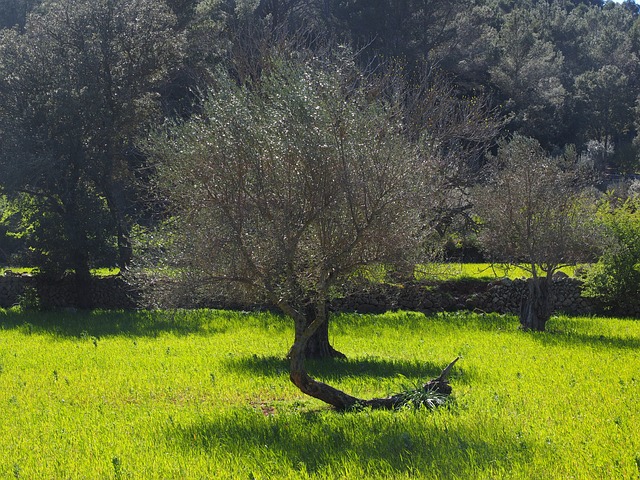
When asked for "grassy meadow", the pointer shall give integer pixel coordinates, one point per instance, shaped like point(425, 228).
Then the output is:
point(452, 271)
point(445, 271)
point(205, 394)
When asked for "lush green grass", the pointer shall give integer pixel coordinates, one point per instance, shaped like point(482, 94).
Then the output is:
point(98, 272)
point(16, 270)
point(105, 272)
point(206, 395)
point(432, 271)
point(475, 271)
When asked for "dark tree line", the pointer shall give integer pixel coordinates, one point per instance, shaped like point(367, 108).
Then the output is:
point(78, 85)
point(81, 82)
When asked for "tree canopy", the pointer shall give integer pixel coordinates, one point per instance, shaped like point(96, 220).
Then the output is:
point(533, 217)
point(77, 86)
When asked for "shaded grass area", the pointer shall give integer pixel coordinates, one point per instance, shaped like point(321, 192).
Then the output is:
point(316, 443)
point(205, 394)
point(334, 369)
point(99, 323)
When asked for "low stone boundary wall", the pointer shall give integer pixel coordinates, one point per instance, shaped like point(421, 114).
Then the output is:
point(501, 296)
point(505, 297)
point(109, 293)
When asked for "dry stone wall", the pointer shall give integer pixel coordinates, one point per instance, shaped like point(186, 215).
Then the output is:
point(110, 293)
point(502, 296)
point(11, 288)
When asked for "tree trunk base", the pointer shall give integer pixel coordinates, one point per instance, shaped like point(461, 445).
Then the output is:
point(536, 308)
point(312, 341)
point(318, 346)
point(322, 351)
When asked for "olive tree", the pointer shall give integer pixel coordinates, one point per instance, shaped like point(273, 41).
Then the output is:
point(533, 217)
point(289, 185)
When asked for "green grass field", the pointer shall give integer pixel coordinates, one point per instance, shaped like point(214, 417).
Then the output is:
point(206, 395)
point(474, 271)
point(98, 272)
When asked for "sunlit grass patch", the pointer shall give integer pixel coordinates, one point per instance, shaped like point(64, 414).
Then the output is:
point(17, 270)
point(204, 394)
point(475, 271)
point(98, 272)
point(105, 271)
point(380, 274)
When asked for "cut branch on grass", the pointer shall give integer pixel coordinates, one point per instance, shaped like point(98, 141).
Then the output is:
point(431, 394)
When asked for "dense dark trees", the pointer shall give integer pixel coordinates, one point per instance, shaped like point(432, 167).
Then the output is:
point(81, 82)
point(13, 13)
point(77, 87)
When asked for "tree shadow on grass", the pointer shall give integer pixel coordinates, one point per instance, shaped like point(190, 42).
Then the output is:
point(333, 369)
point(419, 321)
point(558, 337)
point(109, 323)
point(554, 335)
point(579, 331)
point(387, 444)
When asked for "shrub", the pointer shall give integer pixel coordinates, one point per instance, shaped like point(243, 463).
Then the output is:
point(615, 278)
point(29, 300)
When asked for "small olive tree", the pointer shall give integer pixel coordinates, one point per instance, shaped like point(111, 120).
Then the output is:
point(532, 216)
point(289, 185)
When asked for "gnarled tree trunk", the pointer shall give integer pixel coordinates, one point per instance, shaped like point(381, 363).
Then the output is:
point(318, 345)
point(537, 304)
point(340, 400)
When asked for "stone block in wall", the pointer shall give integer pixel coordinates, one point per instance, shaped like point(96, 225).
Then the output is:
point(12, 287)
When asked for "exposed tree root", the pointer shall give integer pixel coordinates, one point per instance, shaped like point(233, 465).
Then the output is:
point(431, 394)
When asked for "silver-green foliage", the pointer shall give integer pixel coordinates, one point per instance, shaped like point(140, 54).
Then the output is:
point(291, 182)
point(533, 216)
point(531, 209)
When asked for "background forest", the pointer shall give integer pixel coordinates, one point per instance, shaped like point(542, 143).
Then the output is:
point(84, 82)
